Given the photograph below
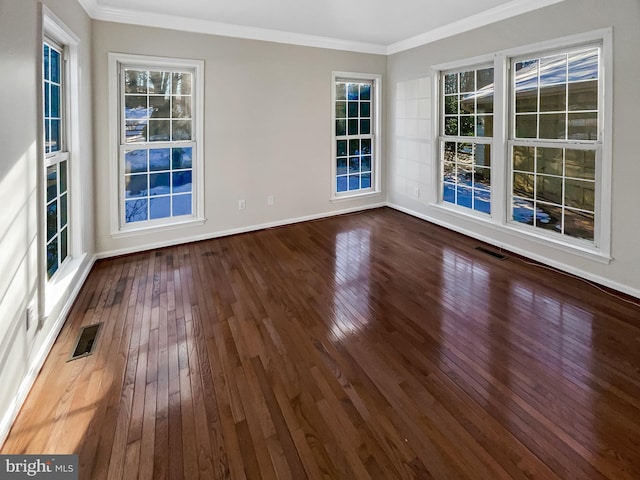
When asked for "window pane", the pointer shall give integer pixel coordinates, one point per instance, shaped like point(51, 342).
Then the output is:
point(52, 257)
point(353, 127)
point(526, 126)
point(526, 101)
point(485, 102)
point(181, 107)
point(159, 207)
point(63, 176)
point(365, 91)
point(341, 149)
point(54, 62)
point(365, 180)
point(181, 130)
point(579, 224)
point(136, 131)
point(63, 210)
point(352, 91)
point(549, 189)
point(160, 107)
point(182, 205)
point(354, 147)
point(482, 200)
point(583, 96)
point(451, 83)
point(553, 98)
point(451, 104)
point(583, 126)
point(52, 182)
point(159, 82)
point(365, 109)
point(553, 70)
point(354, 182)
point(467, 104)
point(341, 109)
point(523, 211)
point(549, 217)
point(485, 78)
point(46, 58)
point(353, 109)
point(580, 163)
point(484, 126)
point(54, 140)
point(482, 178)
point(341, 127)
point(135, 161)
point(365, 127)
point(483, 155)
point(136, 210)
point(523, 158)
point(52, 220)
point(365, 146)
point(526, 76)
point(341, 167)
point(64, 244)
point(464, 196)
point(341, 91)
point(135, 106)
point(451, 126)
point(553, 125)
point(181, 182)
point(549, 161)
point(159, 130)
point(159, 184)
point(467, 81)
point(583, 65)
point(182, 157)
point(55, 101)
point(523, 184)
point(450, 170)
point(181, 83)
point(159, 159)
point(135, 81)
point(365, 163)
point(354, 164)
point(449, 193)
point(341, 184)
point(467, 127)
point(135, 186)
point(580, 194)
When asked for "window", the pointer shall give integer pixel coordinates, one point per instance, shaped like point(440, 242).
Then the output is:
point(159, 131)
point(555, 145)
point(56, 157)
point(524, 141)
point(467, 126)
point(355, 133)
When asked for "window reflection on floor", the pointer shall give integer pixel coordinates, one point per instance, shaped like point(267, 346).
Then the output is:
point(351, 278)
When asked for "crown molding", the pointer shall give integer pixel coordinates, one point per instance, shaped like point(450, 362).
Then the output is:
point(496, 14)
point(134, 17)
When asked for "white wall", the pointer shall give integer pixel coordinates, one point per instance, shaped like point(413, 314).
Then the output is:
point(22, 350)
point(267, 129)
point(410, 157)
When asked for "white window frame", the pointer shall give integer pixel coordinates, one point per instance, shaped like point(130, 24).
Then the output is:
point(500, 219)
point(376, 172)
point(117, 62)
point(51, 291)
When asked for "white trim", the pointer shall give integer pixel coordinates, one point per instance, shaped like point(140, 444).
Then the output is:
point(116, 201)
point(376, 167)
point(19, 398)
point(526, 253)
point(235, 231)
point(499, 220)
point(49, 295)
point(496, 14)
point(151, 19)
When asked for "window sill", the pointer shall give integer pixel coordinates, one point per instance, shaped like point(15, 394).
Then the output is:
point(355, 196)
point(60, 283)
point(143, 230)
point(585, 250)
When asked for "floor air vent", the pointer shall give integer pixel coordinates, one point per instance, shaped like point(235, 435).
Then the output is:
point(86, 341)
point(493, 253)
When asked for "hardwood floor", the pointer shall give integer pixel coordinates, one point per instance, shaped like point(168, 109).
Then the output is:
point(372, 345)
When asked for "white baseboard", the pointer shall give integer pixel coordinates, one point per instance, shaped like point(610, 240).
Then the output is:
point(235, 231)
point(11, 413)
point(620, 287)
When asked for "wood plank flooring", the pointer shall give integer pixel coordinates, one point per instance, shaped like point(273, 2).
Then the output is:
point(365, 346)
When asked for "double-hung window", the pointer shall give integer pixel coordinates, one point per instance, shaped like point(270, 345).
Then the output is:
point(555, 142)
point(465, 143)
point(356, 148)
point(524, 139)
point(56, 156)
point(159, 141)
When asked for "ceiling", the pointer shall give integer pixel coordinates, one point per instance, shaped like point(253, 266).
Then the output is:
point(372, 26)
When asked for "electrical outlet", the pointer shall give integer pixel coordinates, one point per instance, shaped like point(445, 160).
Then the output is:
point(416, 192)
point(242, 204)
point(270, 200)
